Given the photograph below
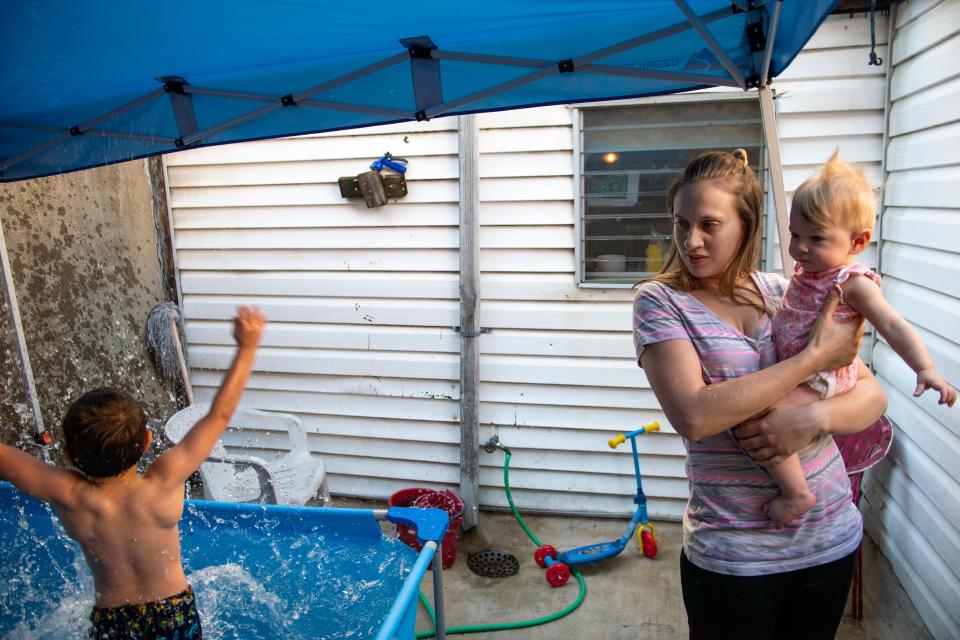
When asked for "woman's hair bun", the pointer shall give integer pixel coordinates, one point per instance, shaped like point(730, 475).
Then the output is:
point(741, 155)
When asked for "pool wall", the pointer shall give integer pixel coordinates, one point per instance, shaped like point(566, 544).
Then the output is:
point(326, 572)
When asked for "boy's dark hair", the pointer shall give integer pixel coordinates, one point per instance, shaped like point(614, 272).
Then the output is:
point(104, 431)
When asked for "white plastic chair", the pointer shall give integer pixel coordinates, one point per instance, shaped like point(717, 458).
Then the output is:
point(294, 478)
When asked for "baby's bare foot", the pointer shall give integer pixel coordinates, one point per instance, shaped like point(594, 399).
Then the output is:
point(785, 509)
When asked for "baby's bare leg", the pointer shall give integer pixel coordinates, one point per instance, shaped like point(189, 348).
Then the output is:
point(795, 497)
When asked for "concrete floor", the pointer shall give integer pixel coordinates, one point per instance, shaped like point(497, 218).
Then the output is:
point(628, 596)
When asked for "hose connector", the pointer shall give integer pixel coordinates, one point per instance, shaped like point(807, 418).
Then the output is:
point(493, 444)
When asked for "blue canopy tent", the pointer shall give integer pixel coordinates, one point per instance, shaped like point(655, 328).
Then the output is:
point(93, 83)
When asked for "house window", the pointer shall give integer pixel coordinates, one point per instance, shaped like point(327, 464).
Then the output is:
point(629, 155)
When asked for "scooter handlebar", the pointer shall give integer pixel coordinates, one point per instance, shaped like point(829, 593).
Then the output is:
point(620, 439)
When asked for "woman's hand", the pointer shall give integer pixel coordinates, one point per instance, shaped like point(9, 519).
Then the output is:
point(785, 429)
point(834, 345)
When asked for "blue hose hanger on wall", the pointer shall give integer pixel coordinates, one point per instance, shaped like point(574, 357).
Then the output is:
point(89, 84)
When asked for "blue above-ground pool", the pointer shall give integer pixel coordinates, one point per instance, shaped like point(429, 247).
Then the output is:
point(258, 571)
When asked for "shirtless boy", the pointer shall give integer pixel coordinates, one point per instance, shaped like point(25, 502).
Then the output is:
point(127, 523)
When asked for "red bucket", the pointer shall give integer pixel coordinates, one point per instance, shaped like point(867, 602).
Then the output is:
point(422, 498)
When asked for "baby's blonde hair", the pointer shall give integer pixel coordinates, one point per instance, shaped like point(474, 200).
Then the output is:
point(838, 195)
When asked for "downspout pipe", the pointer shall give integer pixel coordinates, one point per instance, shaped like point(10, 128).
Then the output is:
point(469, 329)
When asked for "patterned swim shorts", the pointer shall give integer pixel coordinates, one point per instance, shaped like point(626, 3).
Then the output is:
point(173, 618)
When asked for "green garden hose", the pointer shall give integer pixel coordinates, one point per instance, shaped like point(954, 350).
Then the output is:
point(520, 624)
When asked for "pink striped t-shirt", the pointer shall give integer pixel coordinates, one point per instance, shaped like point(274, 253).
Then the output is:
point(724, 529)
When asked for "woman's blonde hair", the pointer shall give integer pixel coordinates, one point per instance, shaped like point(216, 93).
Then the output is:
point(732, 173)
point(838, 195)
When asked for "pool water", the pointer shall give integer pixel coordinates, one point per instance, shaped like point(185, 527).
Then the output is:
point(258, 572)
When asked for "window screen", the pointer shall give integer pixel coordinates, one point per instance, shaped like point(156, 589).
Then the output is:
point(630, 155)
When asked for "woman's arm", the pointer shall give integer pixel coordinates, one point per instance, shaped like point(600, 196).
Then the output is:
point(698, 410)
point(783, 431)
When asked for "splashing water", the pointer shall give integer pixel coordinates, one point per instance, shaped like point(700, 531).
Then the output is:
point(256, 575)
point(67, 618)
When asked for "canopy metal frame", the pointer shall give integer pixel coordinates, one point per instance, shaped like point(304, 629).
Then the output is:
point(419, 51)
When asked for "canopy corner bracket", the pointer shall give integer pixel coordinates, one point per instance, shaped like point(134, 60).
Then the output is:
point(182, 104)
point(425, 72)
point(756, 38)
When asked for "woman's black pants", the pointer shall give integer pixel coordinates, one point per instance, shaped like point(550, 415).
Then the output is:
point(807, 603)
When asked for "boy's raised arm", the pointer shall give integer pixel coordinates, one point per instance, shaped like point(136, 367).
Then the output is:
point(178, 462)
point(34, 477)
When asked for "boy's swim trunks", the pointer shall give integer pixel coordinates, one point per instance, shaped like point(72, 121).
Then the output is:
point(173, 618)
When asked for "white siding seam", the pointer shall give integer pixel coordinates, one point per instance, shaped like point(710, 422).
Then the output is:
point(919, 15)
point(929, 127)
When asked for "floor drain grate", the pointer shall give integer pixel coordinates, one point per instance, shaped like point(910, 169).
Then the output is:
point(493, 563)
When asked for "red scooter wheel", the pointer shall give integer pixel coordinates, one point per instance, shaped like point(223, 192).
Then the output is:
point(558, 574)
point(542, 553)
point(648, 543)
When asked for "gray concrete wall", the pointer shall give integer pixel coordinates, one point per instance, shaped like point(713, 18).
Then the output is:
point(84, 255)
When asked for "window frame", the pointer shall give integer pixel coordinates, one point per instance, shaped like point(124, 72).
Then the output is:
point(709, 95)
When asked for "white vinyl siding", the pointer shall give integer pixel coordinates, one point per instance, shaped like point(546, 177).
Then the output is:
point(362, 301)
point(558, 378)
point(912, 499)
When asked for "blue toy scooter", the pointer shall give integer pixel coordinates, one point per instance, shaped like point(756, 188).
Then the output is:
point(558, 565)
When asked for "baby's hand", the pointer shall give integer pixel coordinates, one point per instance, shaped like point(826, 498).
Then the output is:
point(836, 344)
point(248, 325)
point(930, 379)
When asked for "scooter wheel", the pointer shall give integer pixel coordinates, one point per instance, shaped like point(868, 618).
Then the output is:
point(648, 544)
point(542, 553)
point(558, 574)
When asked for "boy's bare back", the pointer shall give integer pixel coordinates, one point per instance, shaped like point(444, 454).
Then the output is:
point(128, 529)
point(127, 524)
